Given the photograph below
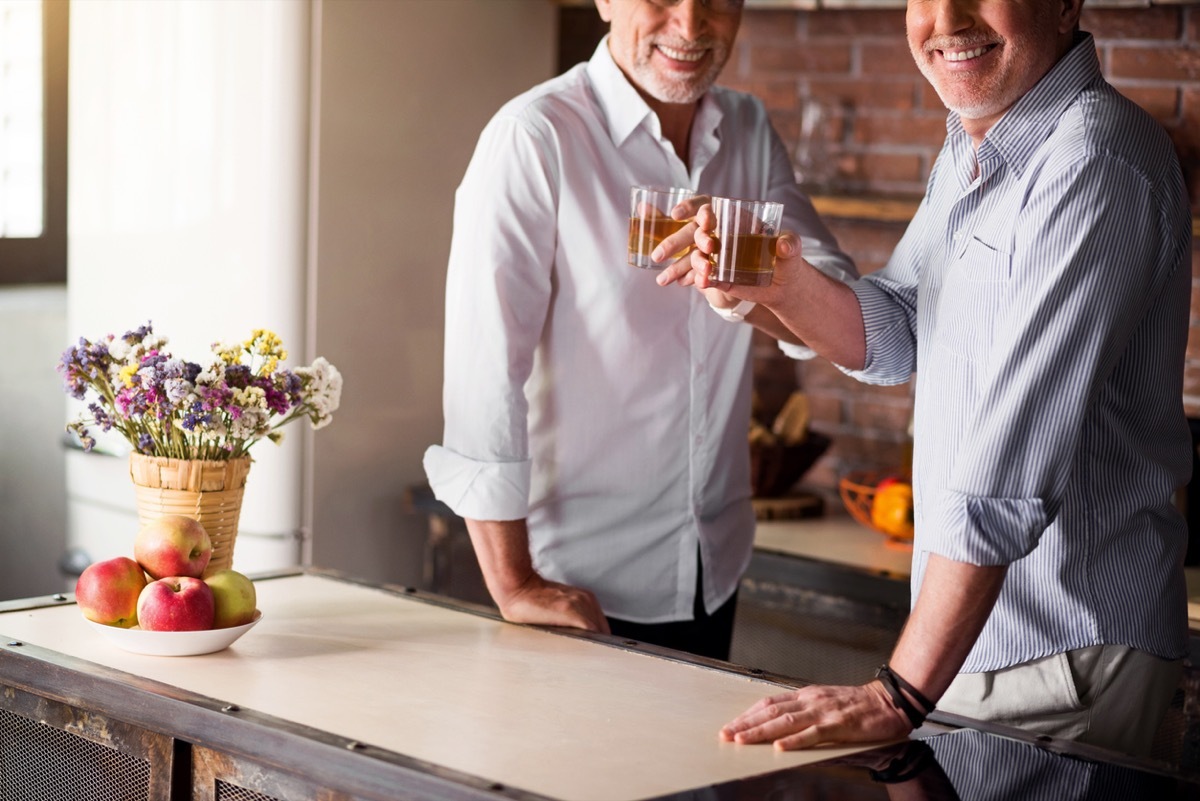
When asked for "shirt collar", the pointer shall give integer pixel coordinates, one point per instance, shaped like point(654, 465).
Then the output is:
point(1023, 129)
point(625, 109)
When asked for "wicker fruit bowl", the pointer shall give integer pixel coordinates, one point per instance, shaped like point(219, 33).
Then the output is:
point(885, 515)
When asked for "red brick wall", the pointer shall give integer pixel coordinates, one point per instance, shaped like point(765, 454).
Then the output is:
point(886, 127)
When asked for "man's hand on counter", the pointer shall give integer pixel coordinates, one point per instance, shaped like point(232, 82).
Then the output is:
point(820, 714)
point(548, 603)
point(520, 592)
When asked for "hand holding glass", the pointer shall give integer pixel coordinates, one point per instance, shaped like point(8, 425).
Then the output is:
point(650, 222)
point(746, 233)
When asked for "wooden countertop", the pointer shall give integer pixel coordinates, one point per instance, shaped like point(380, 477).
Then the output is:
point(562, 716)
point(835, 539)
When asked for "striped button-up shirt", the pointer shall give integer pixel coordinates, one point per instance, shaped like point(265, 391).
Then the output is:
point(1041, 296)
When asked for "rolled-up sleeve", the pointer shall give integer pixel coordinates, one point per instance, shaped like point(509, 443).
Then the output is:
point(1085, 269)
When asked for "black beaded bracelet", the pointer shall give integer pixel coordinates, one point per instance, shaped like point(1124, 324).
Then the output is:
point(896, 687)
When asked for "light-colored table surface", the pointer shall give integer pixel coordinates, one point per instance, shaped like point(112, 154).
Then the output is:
point(837, 539)
point(555, 715)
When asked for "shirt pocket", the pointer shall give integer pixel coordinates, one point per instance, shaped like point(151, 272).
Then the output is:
point(972, 297)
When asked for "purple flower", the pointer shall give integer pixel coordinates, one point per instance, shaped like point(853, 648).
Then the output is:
point(238, 376)
point(101, 416)
point(138, 334)
point(81, 364)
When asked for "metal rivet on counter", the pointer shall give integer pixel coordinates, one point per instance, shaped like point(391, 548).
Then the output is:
point(355, 745)
point(15, 642)
point(496, 786)
point(231, 708)
point(59, 597)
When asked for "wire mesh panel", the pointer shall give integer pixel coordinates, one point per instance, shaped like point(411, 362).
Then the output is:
point(38, 763)
point(232, 792)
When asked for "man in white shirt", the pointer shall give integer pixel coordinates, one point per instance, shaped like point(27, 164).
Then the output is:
point(596, 425)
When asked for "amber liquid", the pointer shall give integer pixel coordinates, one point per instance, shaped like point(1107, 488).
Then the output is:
point(645, 233)
point(747, 259)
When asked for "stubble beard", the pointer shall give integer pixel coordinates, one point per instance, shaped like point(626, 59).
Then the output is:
point(971, 96)
point(669, 87)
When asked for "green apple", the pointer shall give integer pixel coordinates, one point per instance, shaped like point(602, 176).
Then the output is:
point(234, 598)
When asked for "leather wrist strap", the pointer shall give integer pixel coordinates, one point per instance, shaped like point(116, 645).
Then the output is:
point(896, 687)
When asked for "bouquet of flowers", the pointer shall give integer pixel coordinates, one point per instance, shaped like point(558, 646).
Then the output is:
point(165, 406)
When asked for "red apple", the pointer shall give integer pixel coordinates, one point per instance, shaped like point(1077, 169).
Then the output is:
point(173, 545)
point(233, 597)
point(107, 592)
point(176, 603)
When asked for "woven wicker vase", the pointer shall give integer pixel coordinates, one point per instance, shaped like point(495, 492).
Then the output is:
point(209, 491)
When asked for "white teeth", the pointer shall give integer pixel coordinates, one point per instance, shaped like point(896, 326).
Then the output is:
point(964, 55)
point(682, 55)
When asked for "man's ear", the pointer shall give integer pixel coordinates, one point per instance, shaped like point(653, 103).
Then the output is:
point(604, 7)
point(1068, 19)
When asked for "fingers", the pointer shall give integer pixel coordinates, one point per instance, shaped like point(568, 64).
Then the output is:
point(688, 207)
point(765, 721)
point(788, 246)
point(816, 715)
point(679, 242)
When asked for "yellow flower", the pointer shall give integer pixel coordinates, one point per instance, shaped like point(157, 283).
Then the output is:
point(127, 373)
point(250, 397)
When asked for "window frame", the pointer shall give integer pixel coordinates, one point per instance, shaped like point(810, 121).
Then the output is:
point(43, 259)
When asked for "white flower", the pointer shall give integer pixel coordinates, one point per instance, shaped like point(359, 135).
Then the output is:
point(178, 390)
point(322, 391)
point(251, 421)
point(212, 376)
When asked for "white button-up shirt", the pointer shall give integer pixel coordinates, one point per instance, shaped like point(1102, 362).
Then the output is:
point(610, 412)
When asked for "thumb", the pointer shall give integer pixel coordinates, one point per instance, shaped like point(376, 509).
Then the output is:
point(788, 246)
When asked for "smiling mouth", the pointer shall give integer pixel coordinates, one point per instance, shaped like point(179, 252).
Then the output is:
point(681, 55)
point(965, 55)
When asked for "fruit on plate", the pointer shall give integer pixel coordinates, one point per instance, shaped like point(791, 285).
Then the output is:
point(234, 598)
point(173, 545)
point(892, 508)
point(107, 592)
point(176, 603)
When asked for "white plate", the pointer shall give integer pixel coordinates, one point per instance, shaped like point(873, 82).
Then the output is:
point(173, 643)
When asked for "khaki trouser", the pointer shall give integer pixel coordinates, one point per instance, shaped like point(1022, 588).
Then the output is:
point(1111, 696)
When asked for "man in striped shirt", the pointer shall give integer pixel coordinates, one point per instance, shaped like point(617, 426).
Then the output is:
point(1041, 297)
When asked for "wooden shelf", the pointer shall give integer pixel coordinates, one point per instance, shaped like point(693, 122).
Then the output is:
point(863, 207)
point(892, 210)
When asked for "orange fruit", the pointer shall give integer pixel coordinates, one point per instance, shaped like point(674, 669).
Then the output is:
point(892, 509)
